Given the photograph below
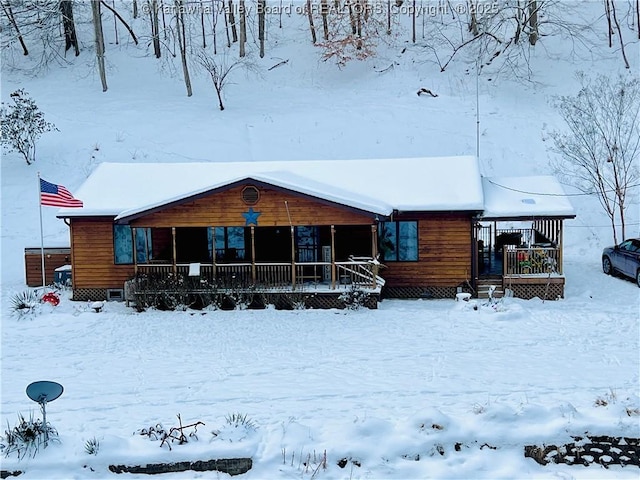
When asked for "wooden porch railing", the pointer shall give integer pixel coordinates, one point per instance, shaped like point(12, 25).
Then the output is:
point(360, 271)
point(532, 261)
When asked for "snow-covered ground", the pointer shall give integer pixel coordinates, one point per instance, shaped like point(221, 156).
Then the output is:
point(387, 388)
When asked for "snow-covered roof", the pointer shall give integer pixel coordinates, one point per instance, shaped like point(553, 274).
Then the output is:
point(525, 197)
point(378, 186)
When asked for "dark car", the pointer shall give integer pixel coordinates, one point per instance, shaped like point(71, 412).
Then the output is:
point(623, 259)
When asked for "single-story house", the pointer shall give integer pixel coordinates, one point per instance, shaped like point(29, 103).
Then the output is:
point(402, 227)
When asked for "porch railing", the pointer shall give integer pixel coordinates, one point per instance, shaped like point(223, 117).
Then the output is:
point(360, 271)
point(532, 261)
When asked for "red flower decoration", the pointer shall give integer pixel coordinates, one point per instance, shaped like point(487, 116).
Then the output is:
point(51, 298)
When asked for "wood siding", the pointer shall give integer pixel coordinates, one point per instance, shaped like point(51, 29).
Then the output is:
point(53, 258)
point(444, 239)
point(444, 252)
point(93, 256)
point(225, 209)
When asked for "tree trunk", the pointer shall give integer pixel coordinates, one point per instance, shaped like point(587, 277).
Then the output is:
point(352, 18)
point(9, 13)
point(324, 9)
point(70, 37)
point(638, 17)
point(607, 11)
point(388, 17)
point(117, 16)
point(617, 24)
point(359, 8)
point(312, 27)
point(214, 23)
point(262, 6)
point(155, 30)
point(115, 22)
point(204, 37)
point(97, 26)
point(182, 44)
point(226, 28)
point(533, 22)
point(243, 28)
point(413, 23)
point(232, 21)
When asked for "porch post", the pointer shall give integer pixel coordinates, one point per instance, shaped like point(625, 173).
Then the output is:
point(173, 246)
point(135, 251)
point(374, 253)
point(560, 246)
point(253, 254)
point(333, 257)
point(293, 258)
point(213, 253)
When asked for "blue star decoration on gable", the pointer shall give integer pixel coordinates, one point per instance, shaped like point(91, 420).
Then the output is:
point(251, 217)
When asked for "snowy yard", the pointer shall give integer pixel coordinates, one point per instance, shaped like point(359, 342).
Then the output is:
point(382, 387)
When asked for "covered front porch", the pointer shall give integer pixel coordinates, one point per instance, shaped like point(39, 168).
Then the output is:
point(523, 257)
point(271, 260)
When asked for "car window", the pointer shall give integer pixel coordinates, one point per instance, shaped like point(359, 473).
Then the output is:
point(635, 246)
point(626, 245)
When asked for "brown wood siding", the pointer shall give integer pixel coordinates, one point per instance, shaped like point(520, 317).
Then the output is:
point(444, 252)
point(93, 257)
point(53, 258)
point(225, 209)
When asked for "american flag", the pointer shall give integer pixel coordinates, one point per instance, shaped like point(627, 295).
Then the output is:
point(52, 195)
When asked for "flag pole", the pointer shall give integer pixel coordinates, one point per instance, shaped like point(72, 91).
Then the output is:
point(41, 232)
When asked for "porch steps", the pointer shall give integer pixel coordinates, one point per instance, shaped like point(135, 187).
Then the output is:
point(484, 285)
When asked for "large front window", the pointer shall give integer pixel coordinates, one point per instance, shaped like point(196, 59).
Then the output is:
point(230, 244)
point(398, 241)
point(123, 245)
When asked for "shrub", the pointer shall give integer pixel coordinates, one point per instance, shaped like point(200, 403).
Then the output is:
point(92, 446)
point(22, 124)
point(238, 427)
point(24, 302)
point(175, 434)
point(26, 437)
point(355, 298)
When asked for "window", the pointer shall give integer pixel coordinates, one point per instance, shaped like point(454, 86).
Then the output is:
point(307, 244)
point(398, 241)
point(250, 195)
point(123, 244)
point(230, 245)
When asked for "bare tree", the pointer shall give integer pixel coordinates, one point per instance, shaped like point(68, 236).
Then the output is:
point(243, 27)
point(99, 37)
point(6, 8)
point(38, 22)
point(312, 28)
point(232, 21)
point(155, 27)
point(262, 7)
point(220, 68)
point(600, 152)
point(612, 21)
point(182, 39)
